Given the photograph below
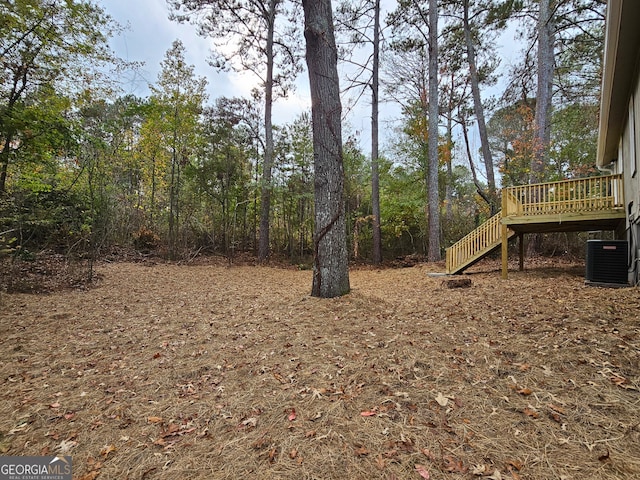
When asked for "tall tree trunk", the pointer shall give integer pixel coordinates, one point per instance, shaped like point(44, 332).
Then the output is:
point(474, 174)
point(448, 195)
point(375, 177)
point(172, 197)
point(542, 134)
point(18, 86)
point(153, 191)
point(448, 192)
point(477, 104)
point(331, 268)
point(177, 210)
point(4, 164)
point(265, 196)
point(433, 254)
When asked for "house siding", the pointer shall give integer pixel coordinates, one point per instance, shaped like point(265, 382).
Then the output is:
point(619, 130)
point(633, 198)
point(628, 163)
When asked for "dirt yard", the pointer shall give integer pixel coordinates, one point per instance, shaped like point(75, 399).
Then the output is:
point(216, 372)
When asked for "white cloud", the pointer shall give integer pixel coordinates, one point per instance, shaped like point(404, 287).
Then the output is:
point(150, 36)
point(152, 33)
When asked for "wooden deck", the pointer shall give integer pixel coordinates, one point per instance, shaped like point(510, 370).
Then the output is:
point(593, 203)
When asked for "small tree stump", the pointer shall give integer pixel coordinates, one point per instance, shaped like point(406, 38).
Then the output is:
point(457, 283)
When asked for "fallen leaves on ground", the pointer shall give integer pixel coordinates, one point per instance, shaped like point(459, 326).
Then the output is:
point(107, 450)
point(422, 471)
point(166, 369)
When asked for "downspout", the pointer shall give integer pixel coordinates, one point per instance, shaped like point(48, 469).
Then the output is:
point(605, 169)
point(634, 250)
point(634, 245)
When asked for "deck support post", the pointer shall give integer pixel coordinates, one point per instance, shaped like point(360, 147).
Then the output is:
point(521, 250)
point(505, 251)
point(592, 203)
point(505, 239)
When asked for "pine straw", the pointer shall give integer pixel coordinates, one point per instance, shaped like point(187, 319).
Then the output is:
point(209, 371)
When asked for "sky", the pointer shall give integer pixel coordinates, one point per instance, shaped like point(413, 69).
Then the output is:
point(149, 35)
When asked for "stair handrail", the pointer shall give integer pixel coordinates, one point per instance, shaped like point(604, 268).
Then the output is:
point(564, 196)
point(476, 241)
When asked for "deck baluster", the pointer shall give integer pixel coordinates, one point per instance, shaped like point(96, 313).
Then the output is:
point(539, 203)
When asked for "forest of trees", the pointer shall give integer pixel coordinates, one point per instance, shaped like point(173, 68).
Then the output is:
point(85, 169)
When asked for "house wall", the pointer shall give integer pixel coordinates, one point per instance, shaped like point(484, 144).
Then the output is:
point(628, 163)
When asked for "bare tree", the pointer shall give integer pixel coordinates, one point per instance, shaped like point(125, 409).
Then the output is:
point(433, 254)
point(417, 30)
point(362, 22)
point(477, 103)
point(542, 137)
point(259, 47)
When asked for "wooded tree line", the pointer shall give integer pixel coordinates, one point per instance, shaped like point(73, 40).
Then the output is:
point(84, 168)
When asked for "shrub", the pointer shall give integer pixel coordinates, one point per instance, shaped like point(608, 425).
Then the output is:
point(146, 240)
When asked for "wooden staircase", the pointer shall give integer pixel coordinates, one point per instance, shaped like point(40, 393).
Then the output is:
point(593, 203)
point(476, 245)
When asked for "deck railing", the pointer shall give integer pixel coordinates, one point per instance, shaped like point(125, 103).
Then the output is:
point(590, 194)
point(568, 196)
point(480, 239)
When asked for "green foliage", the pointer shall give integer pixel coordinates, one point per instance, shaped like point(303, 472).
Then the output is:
point(402, 209)
point(217, 178)
point(51, 52)
point(293, 188)
point(53, 220)
point(574, 141)
point(575, 65)
point(467, 210)
point(172, 175)
point(107, 169)
point(178, 99)
point(579, 51)
point(511, 135)
point(248, 34)
point(357, 170)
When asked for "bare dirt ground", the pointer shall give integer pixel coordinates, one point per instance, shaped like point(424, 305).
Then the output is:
point(214, 371)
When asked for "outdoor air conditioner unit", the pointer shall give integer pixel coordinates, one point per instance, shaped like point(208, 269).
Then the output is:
point(607, 262)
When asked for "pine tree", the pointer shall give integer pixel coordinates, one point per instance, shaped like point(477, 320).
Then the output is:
point(331, 268)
